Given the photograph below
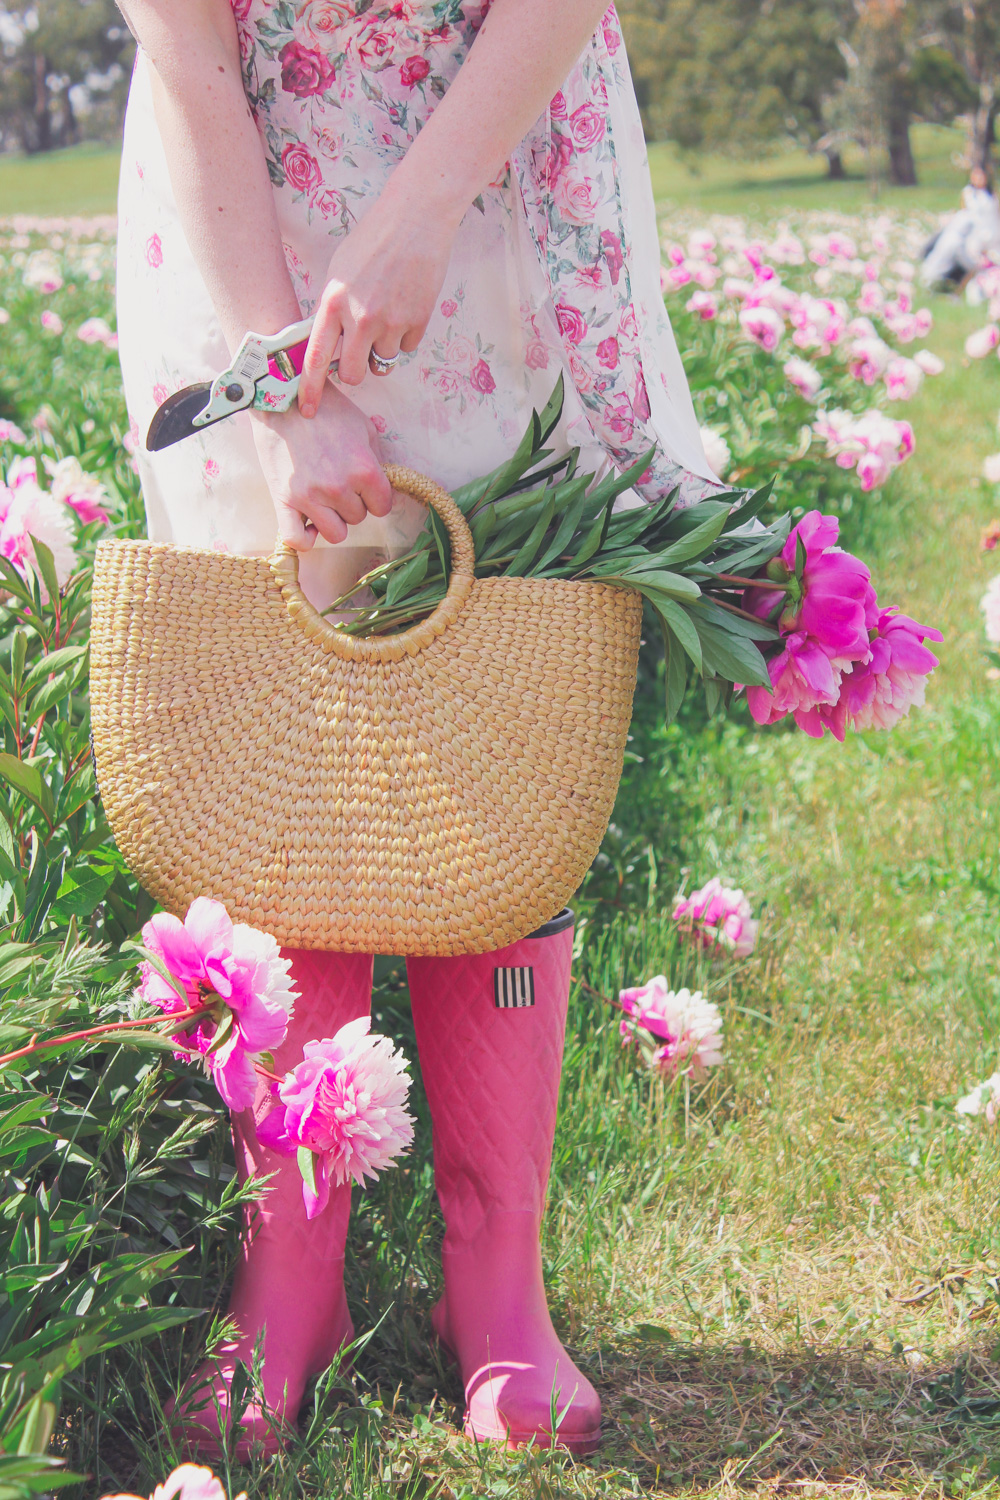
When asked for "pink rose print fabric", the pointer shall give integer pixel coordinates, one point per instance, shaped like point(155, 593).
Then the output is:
point(555, 270)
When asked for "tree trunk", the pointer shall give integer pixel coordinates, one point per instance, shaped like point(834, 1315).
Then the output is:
point(834, 166)
point(902, 168)
point(43, 120)
point(982, 125)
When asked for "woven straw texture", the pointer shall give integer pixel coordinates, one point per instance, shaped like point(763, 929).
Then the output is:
point(439, 791)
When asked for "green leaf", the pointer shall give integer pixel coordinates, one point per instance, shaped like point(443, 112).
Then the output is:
point(55, 661)
point(654, 581)
point(683, 628)
point(46, 567)
point(29, 780)
point(695, 544)
point(574, 500)
point(676, 672)
point(408, 577)
point(520, 564)
point(307, 1168)
point(81, 891)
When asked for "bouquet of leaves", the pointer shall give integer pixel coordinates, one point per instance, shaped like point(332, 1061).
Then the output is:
point(532, 518)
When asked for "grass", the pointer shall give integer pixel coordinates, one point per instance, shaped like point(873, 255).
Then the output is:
point(79, 180)
point(787, 1281)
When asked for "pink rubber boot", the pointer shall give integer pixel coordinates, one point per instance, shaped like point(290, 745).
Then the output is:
point(290, 1276)
point(490, 1030)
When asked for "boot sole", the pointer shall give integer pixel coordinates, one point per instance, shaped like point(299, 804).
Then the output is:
point(579, 1444)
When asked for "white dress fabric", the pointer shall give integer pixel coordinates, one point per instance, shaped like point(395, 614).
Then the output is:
point(555, 269)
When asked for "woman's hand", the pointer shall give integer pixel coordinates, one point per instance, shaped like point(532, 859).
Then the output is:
point(323, 475)
point(382, 286)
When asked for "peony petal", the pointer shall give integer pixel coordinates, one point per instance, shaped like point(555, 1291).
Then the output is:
point(167, 937)
point(209, 926)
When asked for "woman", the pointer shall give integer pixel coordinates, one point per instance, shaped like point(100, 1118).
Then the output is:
point(462, 200)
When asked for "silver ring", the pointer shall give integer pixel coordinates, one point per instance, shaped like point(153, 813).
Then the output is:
point(381, 366)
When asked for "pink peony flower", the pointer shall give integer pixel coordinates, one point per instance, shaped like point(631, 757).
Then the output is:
point(763, 325)
point(93, 331)
point(984, 1099)
point(689, 1026)
point(991, 468)
point(805, 377)
point(928, 362)
point(834, 600)
point(240, 977)
point(344, 1103)
point(305, 71)
point(51, 321)
point(877, 693)
point(10, 432)
point(981, 343)
point(188, 1482)
point(83, 493)
point(27, 512)
point(868, 358)
point(903, 378)
point(704, 304)
point(717, 916)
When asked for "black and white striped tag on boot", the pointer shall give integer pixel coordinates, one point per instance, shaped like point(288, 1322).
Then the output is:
point(513, 988)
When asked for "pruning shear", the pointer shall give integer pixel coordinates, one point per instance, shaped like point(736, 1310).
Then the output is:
point(264, 374)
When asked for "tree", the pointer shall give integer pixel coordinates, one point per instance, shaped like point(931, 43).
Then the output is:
point(48, 49)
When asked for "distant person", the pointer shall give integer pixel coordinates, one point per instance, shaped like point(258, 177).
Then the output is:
point(969, 240)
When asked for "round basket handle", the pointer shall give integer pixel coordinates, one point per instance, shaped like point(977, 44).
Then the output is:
point(285, 568)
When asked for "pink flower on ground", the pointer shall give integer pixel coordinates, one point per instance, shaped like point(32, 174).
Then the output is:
point(240, 977)
point(344, 1103)
point(981, 343)
point(717, 916)
point(763, 325)
point(51, 321)
point(26, 512)
point(481, 378)
point(689, 1026)
point(84, 494)
point(704, 304)
point(805, 377)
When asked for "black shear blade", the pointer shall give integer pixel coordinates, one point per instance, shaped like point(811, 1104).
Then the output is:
point(175, 418)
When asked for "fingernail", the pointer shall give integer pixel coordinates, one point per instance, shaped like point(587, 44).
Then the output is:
point(308, 409)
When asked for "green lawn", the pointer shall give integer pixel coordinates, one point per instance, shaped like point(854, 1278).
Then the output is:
point(82, 180)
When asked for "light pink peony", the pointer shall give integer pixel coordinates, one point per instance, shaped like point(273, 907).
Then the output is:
point(27, 511)
point(981, 343)
point(704, 304)
point(84, 494)
point(688, 1025)
point(716, 451)
point(983, 1100)
point(763, 325)
point(344, 1103)
point(805, 377)
point(51, 321)
point(240, 977)
point(929, 362)
point(10, 432)
point(94, 331)
point(903, 378)
point(991, 468)
point(868, 358)
point(717, 916)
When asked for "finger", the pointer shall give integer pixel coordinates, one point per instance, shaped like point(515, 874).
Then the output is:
point(345, 501)
point(323, 518)
point(323, 340)
point(358, 339)
point(294, 529)
point(385, 347)
point(374, 489)
point(411, 338)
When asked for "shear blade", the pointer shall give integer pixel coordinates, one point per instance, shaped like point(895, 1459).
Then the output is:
point(175, 418)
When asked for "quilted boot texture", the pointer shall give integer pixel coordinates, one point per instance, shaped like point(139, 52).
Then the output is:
point(290, 1277)
point(490, 1029)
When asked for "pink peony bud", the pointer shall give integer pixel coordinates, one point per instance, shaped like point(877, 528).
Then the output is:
point(928, 362)
point(981, 343)
point(343, 1104)
point(805, 377)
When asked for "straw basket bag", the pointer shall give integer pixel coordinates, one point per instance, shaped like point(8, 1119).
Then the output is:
point(439, 791)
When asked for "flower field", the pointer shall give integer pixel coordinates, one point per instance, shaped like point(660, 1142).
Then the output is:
point(770, 1241)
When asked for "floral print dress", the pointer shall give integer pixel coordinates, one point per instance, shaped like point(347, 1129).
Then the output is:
point(555, 269)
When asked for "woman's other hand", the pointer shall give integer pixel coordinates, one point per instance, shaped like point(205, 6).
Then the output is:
point(324, 475)
point(382, 286)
